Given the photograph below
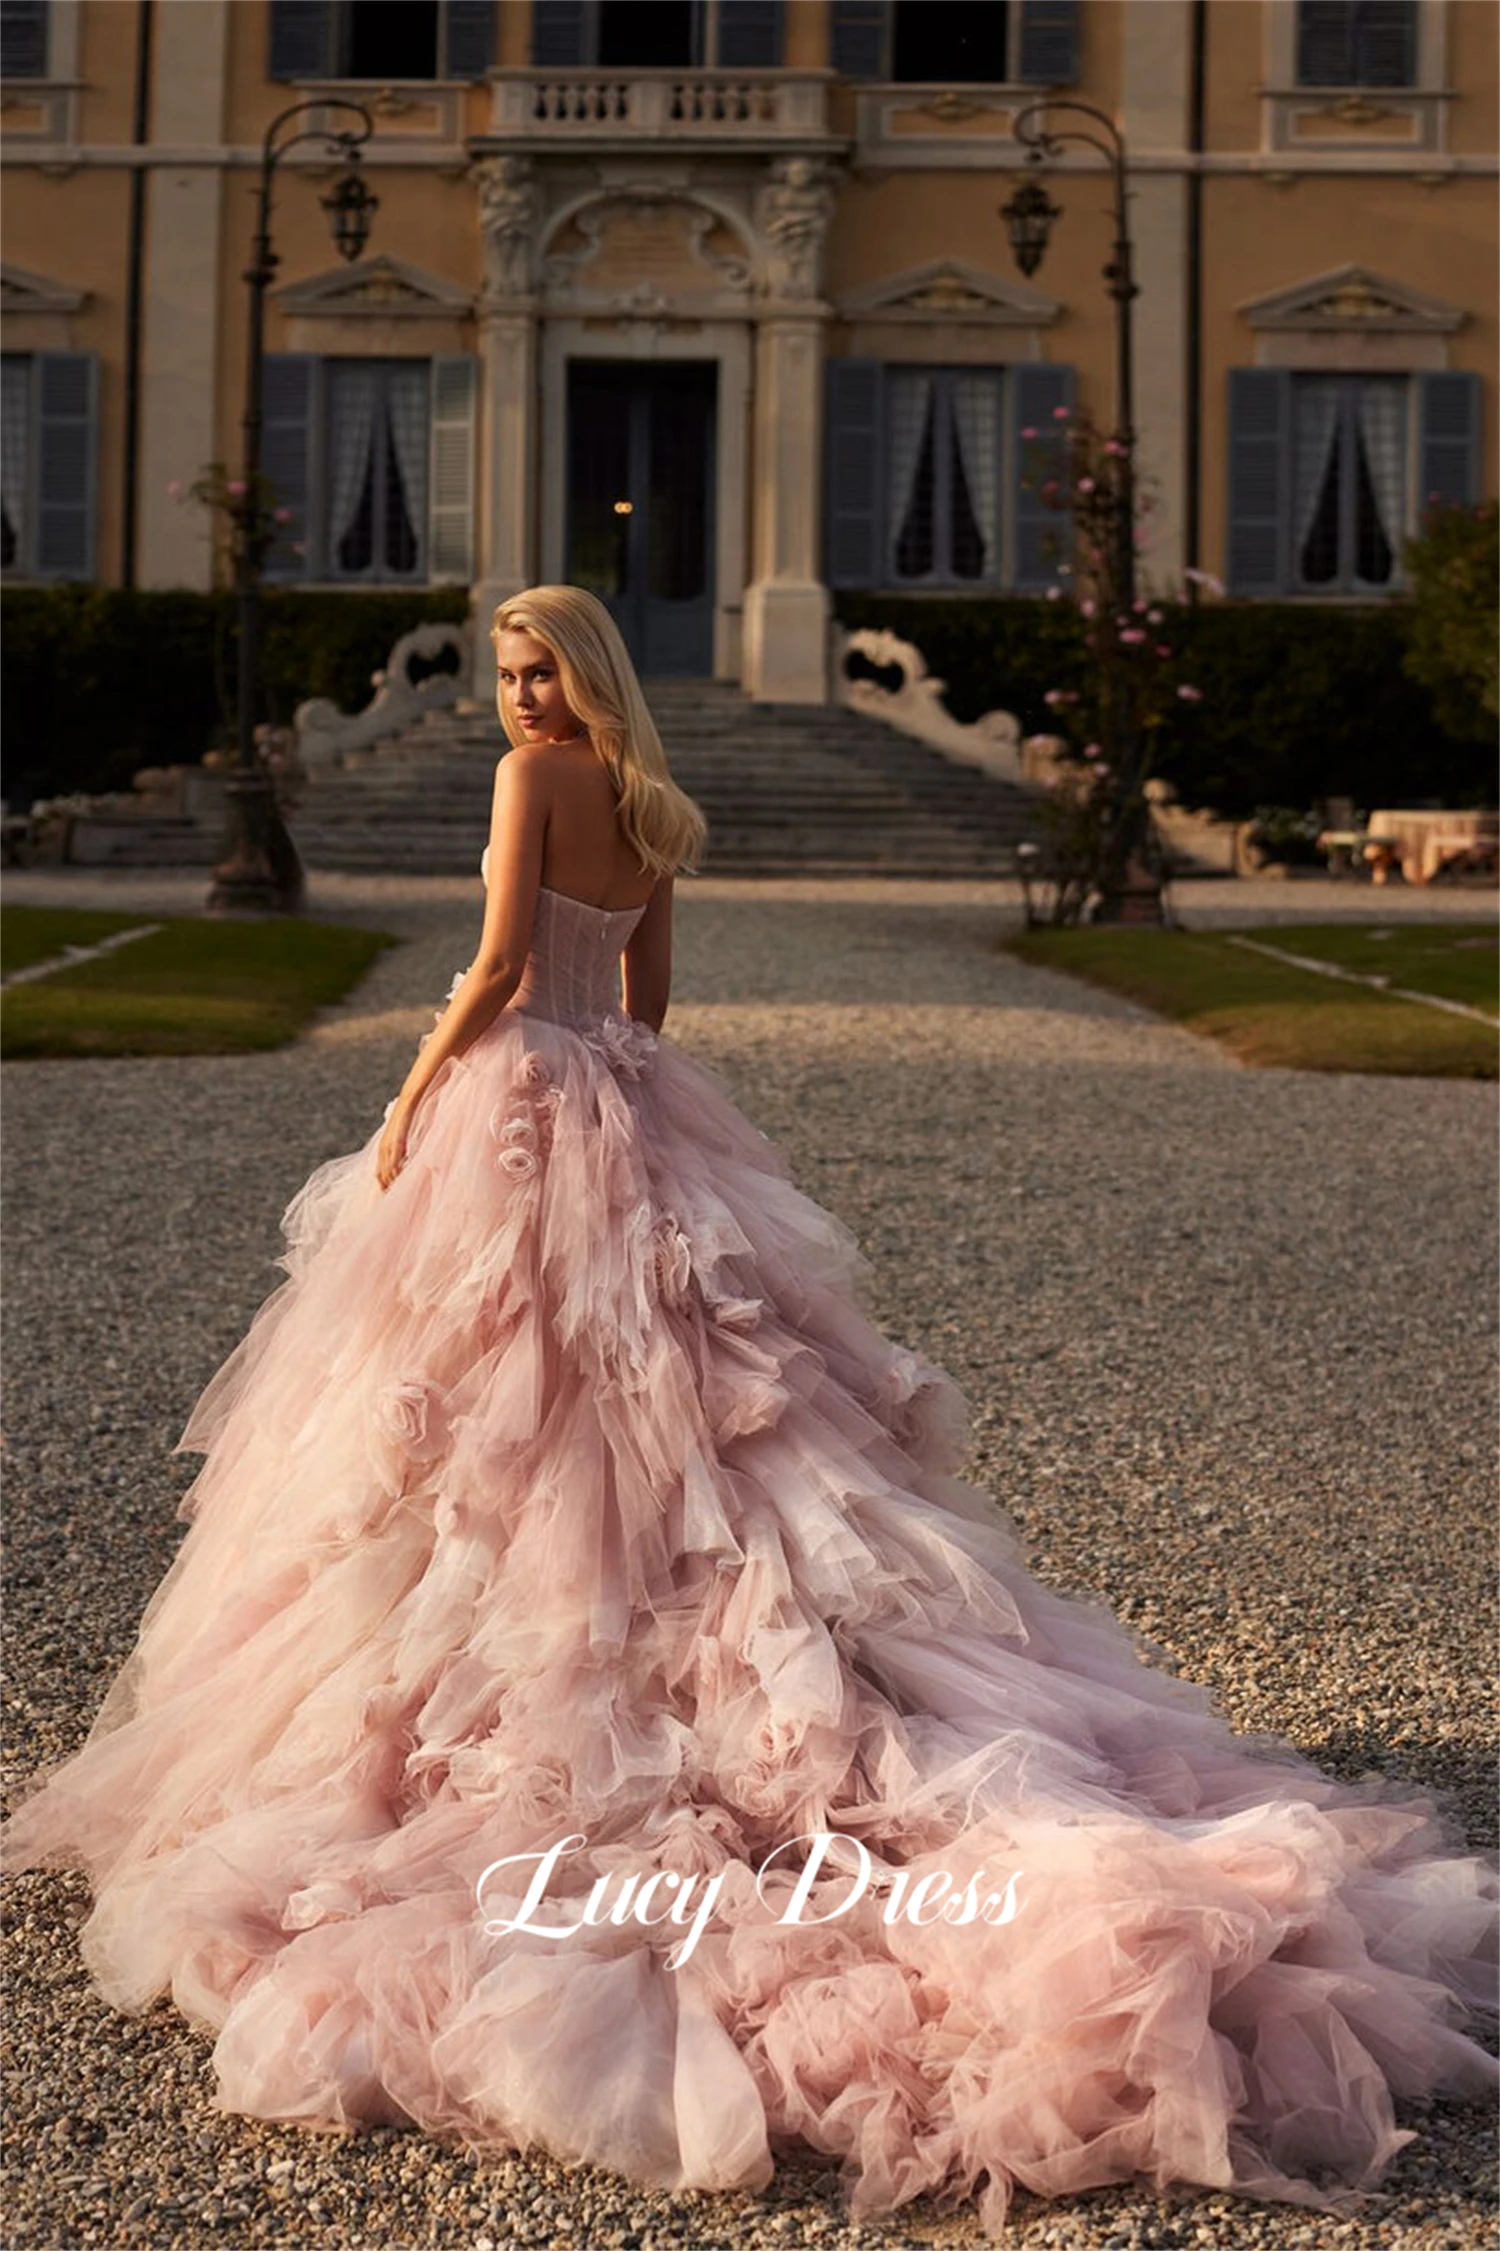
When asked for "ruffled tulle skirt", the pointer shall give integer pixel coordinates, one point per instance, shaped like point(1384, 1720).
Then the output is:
point(564, 1519)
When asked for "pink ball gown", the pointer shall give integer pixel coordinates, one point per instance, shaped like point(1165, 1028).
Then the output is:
point(562, 1511)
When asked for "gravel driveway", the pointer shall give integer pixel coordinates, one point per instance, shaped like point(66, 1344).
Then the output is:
point(1228, 1340)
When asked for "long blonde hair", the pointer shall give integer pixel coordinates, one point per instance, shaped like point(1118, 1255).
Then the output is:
point(664, 827)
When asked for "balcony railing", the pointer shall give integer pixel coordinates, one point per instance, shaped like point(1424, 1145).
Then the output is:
point(563, 107)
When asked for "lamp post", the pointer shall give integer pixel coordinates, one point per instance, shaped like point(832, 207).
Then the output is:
point(1029, 216)
point(1130, 888)
point(260, 869)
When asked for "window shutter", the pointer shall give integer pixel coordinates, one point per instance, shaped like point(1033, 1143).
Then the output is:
point(1325, 43)
point(286, 455)
point(23, 39)
point(750, 34)
point(1260, 452)
point(557, 34)
point(468, 46)
point(450, 538)
point(1385, 43)
point(860, 38)
point(67, 397)
point(302, 38)
point(1049, 43)
point(1044, 534)
point(852, 441)
point(1449, 423)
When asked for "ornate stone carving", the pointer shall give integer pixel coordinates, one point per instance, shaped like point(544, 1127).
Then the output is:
point(1353, 296)
point(793, 209)
point(594, 222)
point(507, 220)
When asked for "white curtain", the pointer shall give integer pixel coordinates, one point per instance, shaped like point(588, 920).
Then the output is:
point(1382, 429)
point(910, 406)
point(353, 424)
point(406, 397)
point(1317, 429)
point(976, 418)
point(15, 418)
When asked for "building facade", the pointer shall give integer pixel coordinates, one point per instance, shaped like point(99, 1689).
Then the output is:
point(709, 305)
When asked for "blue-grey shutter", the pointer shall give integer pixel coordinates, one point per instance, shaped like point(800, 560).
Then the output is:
point(1448, 414)
point(1385, 43)
point(1260, 455)
point(288, 404)
point(1048, 54)
point(450, 482)
point(67, 412)
point(468, 39)
point(1044, 533)
point(852, 447)
point(750, 34)
point(860, 38)
point(557, 34)
point(23, 39)
point(302, 38)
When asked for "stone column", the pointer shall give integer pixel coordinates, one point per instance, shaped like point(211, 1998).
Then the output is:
point(508, 447)
point(185, 273)
point(786, 603)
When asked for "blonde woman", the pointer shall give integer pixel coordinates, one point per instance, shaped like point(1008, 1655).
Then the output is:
point(588, 1709)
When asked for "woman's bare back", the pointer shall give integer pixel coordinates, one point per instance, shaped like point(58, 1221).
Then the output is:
point(585, 853)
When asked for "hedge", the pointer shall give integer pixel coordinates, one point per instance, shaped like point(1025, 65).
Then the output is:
point(1300, 702)
point(97, 681)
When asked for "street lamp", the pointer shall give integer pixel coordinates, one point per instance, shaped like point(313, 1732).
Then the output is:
point(1130, 886)
point(1029, 216)
point(260, 868)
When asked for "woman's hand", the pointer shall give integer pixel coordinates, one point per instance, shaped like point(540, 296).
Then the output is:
point(391, 1154)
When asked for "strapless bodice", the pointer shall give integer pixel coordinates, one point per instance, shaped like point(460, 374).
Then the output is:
point(571, 972)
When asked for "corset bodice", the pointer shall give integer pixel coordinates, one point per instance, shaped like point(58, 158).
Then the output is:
point(571, 972)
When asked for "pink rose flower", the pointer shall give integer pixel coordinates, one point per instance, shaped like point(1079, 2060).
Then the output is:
point(1061, 413)
point(1088, 606)
point(1132, 633)
point(1086, 484)
point(1189, 695)
point(236, 488)
point(625, 1044)
point(535, 1070)
point(1153, 617)
point(1029, 431)
point(1091, 750)
point(1163, 649)
point(174, 490)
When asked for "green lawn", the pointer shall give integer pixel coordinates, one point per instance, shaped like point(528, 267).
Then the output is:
point(196, 986)
point(1272, 1013)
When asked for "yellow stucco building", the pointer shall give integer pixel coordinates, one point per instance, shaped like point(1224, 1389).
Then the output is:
point(709, 305)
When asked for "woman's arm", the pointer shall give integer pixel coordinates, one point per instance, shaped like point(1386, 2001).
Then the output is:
point(648, 959)
point(518, 828)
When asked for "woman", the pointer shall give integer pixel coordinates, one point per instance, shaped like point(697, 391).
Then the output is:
point(589, 1710)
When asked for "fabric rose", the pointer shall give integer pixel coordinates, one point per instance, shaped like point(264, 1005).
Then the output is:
point(672, 1259)
point(738, 1313)
point(534, 1070)
point(624, 1044)
point(408, 1423)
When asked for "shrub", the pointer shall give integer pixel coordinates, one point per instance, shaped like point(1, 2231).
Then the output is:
point(98, 681)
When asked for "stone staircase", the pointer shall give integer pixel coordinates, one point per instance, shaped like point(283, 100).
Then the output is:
point(787, 790)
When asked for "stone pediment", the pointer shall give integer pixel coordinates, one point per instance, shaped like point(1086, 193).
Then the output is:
point(24, 292)
point(948, 289)
point(1353, 298)
point(376, 288)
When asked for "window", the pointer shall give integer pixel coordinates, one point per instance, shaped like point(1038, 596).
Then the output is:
point(374, 461)
point(23, 38)
point(943, 476)
point(47, 419)
point(1328, 473)
point(1349, 483)
point(376, 454)
point(947, 42)
point(1357, 43)
point(657, 34)
point(378, 39)
point(934, 473)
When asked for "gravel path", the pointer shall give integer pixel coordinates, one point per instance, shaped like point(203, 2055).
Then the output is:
point(1228, 1337)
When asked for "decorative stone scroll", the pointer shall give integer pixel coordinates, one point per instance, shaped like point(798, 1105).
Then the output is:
point(324, 733)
